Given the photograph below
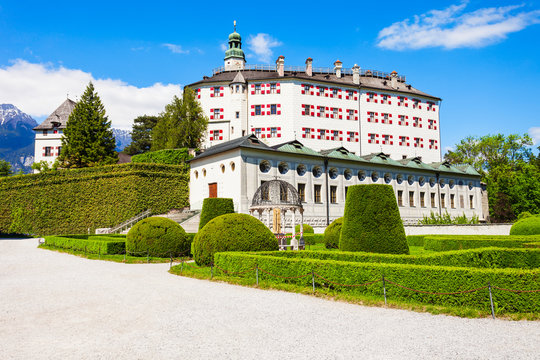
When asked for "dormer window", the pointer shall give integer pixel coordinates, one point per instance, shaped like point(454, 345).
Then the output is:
point(44, 132)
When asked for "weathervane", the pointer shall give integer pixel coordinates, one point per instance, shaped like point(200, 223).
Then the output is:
point(235, 25)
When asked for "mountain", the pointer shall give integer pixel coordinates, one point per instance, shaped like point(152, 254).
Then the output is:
point(16, 137)
point(123, 138)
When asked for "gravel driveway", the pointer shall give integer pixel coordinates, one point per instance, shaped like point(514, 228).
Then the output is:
point(60, 306)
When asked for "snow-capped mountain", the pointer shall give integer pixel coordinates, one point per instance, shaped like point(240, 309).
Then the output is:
point(123, 138)
point(16, 137)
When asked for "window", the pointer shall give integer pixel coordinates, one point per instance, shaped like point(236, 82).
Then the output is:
point(335, 134)
point(385, 119)
point(60, 151)
point(215, 134)
point(44, 132)
point(258, 132)
point(371, 115)
point(384, 99)
point(273, 132)
point(371, 138)
point(216, 91)
point(422, 199)
point(432, 200)
point(48, 151)
point(272, 88)
point(302, 192)
point(321, 111)
point(433, 144)
point(351, 114)
point(273, 109)
point(401, 100)
point(321, 91)
point(307, 88)
point(400, 197)
point(237, 88)
point(335, 113)
point(431, 124)
point(216, 113)
point(371, 96)
point(307, 132)
point(307, 109)
point(417, 122)
point(416, 104)
point(403, 142)
point(461, 202)
point(386, 139)
point(333, 194)
point(443, 204)
point(322, 133)
point(417, 142)
point(471, 201)
point(237, 114)
point(411, 198)
point(257, 109)
point(402, 120)
point(257, 88)
point(335, 92)
point(317, 193)
point(452, 202)
point(350, 94)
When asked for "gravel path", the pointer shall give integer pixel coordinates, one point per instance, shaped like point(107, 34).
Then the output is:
point(55, 305)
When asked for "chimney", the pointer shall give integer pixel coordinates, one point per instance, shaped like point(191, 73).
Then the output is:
point(337, 68)
point(356, 74)
point(393, 79)
point(309, 66)
point(280, 65)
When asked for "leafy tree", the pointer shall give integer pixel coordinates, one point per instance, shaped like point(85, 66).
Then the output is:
point(141, 139)
point(88, 138)
point(5, 168)
point(182, 124)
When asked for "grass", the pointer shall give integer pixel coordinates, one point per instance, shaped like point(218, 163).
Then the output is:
point(192, 270)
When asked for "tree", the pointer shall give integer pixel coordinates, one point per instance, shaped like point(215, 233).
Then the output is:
point(5, 168)
point(88, 138)
point(182, 124)
point(510, 169)
point(141, 139)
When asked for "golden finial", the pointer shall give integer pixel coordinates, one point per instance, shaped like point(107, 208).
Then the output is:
point(234, 25)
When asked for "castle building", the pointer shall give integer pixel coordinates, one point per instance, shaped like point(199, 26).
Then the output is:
point(323, 130)
point(364, 111)
point(49, 133)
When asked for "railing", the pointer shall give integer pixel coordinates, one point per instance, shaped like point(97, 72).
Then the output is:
point(128, 223)
point(315, 70)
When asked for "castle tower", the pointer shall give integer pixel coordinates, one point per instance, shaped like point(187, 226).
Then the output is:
point(234, 56)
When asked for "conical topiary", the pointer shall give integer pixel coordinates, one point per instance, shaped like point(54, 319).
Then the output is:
point(372, 222)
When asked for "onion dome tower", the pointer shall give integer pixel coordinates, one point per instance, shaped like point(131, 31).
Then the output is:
point(234, 56)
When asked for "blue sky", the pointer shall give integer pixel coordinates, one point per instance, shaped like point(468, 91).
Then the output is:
point(481, 58)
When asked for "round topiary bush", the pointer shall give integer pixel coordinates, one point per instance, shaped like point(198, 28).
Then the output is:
point(307, 229)
point(527, 226)
point(332, 233)
point(372, 222)
point(157, 236)
point(231, 232)
point(214, 207)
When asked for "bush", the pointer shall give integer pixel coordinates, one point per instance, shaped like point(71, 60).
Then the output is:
point(415, 240)
point(168, 156)
point(332, 233)
point(91, 244)
point(231, 232)
point(74, 201)
point(421, 277)
point(459, 242)
point(214, 207)
point(372, 222)
point(526, 226)
point(308, 229)
point(312, 239)
point(157, 236)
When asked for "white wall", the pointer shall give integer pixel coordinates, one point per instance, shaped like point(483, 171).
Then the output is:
point(474, 229)
point(41, 141)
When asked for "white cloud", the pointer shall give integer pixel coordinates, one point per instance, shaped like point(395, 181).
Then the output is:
point(534, 133)
point(451, 28)
point(38, 89)
point(262, 44)
point(223, 46)
point(176, 49)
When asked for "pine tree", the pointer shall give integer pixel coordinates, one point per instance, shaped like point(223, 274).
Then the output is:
point(182, 124)
point(141, 139)
point(88, 138)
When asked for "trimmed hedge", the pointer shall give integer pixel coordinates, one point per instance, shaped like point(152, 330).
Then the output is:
point(167, 156)
point(92, 244)
point(332, 233)
point(312, 239)
point(527, 226)
point(308, 229)
point(416, 240)
point(458, 242)
point(157, 236)
point(372, 222)
point(420, 277)
point(231, 232)
point(79, 200)
point(476, 258)
point(214, 207)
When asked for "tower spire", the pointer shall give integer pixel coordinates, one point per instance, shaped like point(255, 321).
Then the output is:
point(234, 25)
point(234, 56)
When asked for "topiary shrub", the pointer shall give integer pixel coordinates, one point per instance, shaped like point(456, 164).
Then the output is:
point(214, 207)
point(526, 226)
point(231, 232)
point(307, 229)
point(157, 236)
point(372, 222)
point(332, 233)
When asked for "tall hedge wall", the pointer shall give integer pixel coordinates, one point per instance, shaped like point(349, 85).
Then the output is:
point(74, 201)
point(167, 156)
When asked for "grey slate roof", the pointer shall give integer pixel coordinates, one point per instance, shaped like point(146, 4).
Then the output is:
point(59, 117)
point(248, 141)
point(345, 80)
point(239, 79)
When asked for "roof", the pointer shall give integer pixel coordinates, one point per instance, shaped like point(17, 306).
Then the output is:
point(340, 153)
point(370, 82)
point(58, 119)
point(238, 79)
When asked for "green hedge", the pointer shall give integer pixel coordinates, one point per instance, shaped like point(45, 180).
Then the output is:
point(214, 207)
point(458, 242)
point(74, 201)
point(312, 239)
point(92, 244)
point(479, 258)
point(372, 222)
point(307, 229)
point(157, 236)
point(527, 226)
point(420, 277)
point(416, 240)
point(168, 156)
point(332, 234)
